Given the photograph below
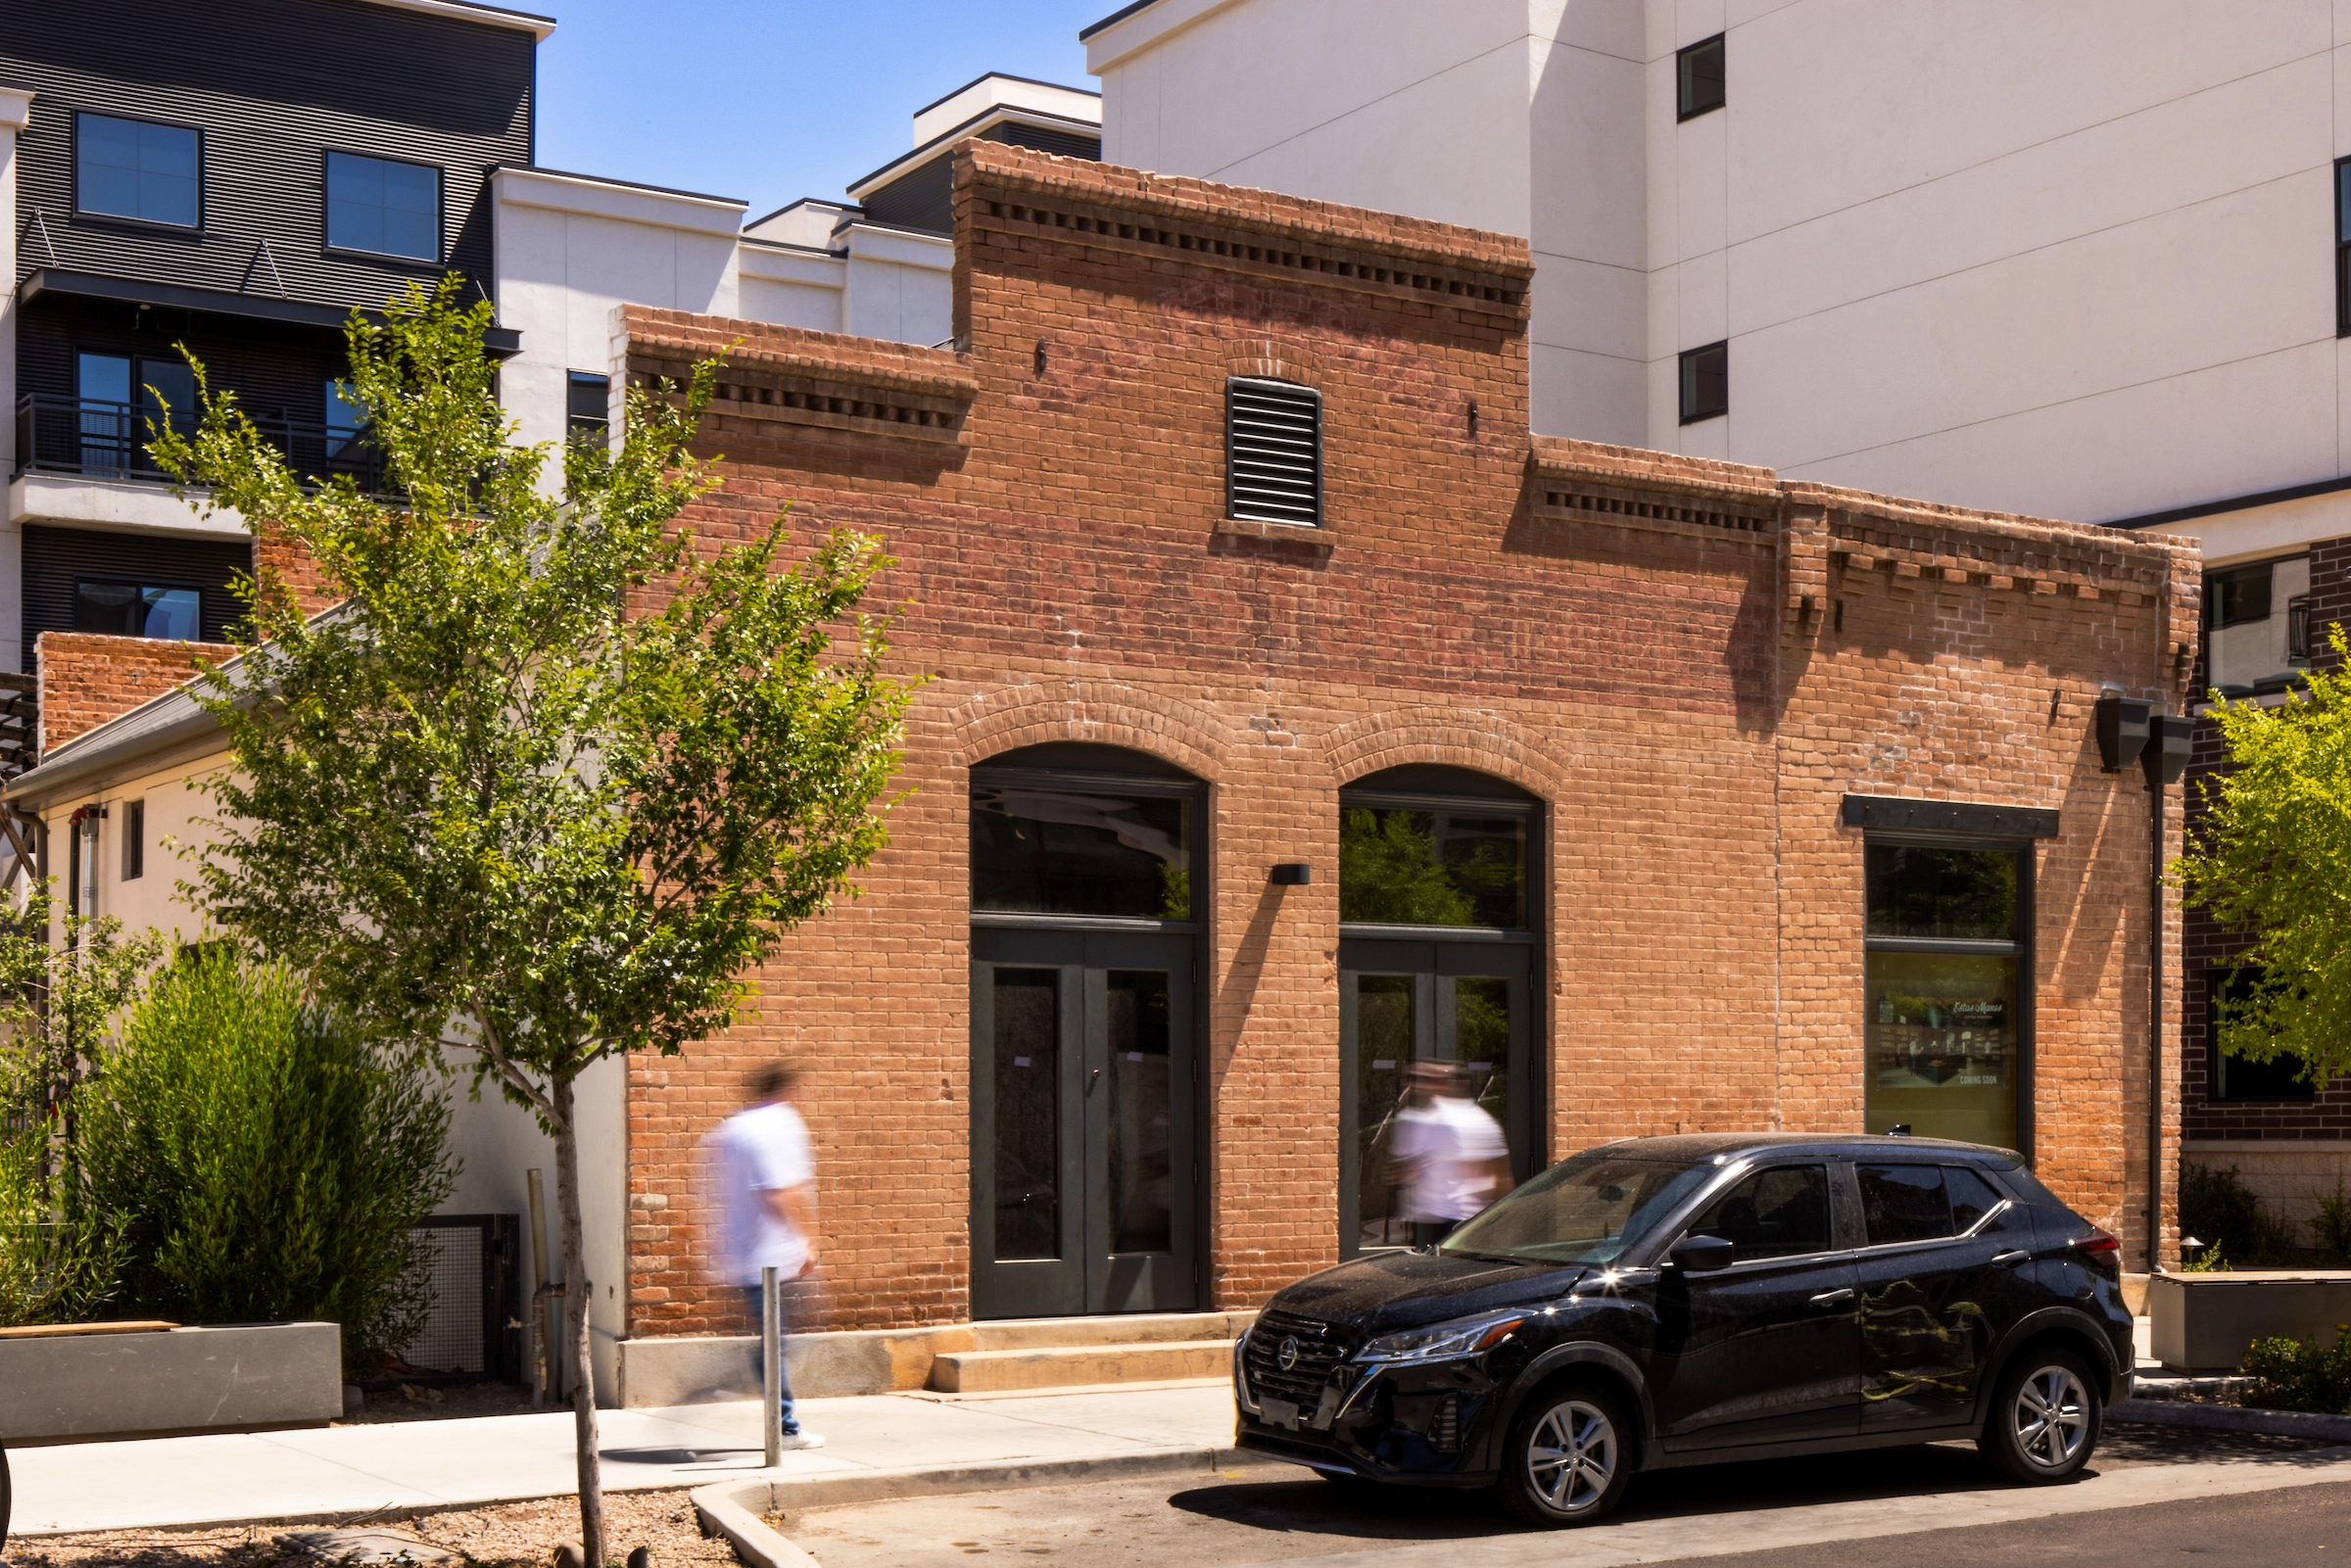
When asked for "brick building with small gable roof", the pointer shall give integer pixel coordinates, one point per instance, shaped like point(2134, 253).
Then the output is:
point(1682, 680)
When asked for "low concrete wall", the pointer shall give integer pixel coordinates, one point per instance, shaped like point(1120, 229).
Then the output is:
point(2203, 1322)
point(76, 1387)
point(695, 1370)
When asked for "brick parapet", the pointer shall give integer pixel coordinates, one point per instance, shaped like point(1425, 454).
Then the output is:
point(86, 680)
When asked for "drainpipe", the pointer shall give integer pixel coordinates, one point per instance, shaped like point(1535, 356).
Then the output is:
point(2165, 759)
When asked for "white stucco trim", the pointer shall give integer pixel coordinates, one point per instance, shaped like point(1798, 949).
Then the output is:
point(115, 506)
point(794, 266)
point(16, 108)
point(629, 204)
point(489, 16)
point(1153, 25)
point(871, 244)
point(2233, 537)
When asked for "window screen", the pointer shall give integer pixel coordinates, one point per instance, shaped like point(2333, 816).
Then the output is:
point(1706, 382)
point(1273, 452)
point(1697, 78)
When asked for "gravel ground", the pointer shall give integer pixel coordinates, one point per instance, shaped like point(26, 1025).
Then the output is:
point(418, 1403)
point(520, 1534)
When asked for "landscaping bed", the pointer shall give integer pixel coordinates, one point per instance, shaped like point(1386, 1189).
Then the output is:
point(522, 1534)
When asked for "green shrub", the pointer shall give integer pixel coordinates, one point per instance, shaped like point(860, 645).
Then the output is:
point(275, 1160)
point(2292, 1375)
point(2331, 1227)
point(56, 1266)
point(2217, 1207)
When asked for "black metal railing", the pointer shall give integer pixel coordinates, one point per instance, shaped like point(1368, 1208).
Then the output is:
point(109, 441)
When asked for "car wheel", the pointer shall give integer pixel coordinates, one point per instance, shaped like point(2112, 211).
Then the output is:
point(2045, 1418)
point(1568, 1456)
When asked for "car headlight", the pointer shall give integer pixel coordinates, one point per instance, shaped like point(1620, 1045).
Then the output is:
point(1463, 1336)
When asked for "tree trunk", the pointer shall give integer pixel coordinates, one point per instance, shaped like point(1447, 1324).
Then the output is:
point(577, 1296)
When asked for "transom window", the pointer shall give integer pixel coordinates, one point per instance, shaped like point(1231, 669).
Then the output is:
point(1055, 837)
point(136, 168)
point(383, 206)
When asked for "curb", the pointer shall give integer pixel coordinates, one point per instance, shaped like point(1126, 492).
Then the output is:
point(735, 1510)
point(2230, 1418)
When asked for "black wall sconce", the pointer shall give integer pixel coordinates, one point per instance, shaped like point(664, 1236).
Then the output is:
point(2122, 725)
point(1292, 874)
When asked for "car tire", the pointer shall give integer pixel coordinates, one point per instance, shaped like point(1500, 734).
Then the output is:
point(1568, 1456)
point(2044, 1420)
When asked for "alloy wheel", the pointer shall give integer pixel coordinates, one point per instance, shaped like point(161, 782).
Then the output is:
point(1571, 1456)
point(2051, 1416)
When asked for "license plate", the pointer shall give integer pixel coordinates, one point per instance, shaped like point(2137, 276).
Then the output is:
point(1279, 1412)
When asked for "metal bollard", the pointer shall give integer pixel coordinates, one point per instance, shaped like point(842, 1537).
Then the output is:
point(771, 1366)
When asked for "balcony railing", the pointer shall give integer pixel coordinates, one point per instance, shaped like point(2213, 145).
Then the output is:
point(109, 441)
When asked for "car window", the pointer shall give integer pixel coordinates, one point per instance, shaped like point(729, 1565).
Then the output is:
point(1779, 1213)
point(1586, 1210)
point(1972, 1197)
point(1903, 1203)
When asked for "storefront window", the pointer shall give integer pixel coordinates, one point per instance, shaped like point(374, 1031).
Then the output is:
point(1944, 1027)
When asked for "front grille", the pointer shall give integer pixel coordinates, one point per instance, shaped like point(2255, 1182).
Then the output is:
point(1319, 1349)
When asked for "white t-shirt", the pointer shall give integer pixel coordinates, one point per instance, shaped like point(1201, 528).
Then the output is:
point(760, 1151)
point(1445, 1144)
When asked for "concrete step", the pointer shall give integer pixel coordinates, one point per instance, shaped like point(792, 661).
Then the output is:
point(1123, 1328)
point(1078, 1365)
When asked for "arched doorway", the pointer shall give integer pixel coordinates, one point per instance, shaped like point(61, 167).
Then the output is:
point(1438, 918)
point(1085, 1037)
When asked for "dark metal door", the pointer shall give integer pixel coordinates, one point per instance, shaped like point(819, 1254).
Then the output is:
point(1085, 1126)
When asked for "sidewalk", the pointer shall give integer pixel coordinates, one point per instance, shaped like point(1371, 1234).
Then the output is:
point(434, 1464)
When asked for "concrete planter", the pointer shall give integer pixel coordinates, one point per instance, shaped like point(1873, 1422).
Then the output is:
point(2201, 1323)
point(68, 1387)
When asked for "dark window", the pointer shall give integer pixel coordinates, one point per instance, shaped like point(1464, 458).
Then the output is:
point(1449, 866)
point(131, 168)
point(1697, 78)
point(2239, 594)
point(1041, 846)
point(383, 207)
point(2233, 1077)
point(1273, 452)
point(588, 401)
point(1706, 382)
point(119, 399)
point(343, 416)
point(1944, 1027)
point(137, 609)
point(2342, 247)
point(1903, 1203)
point(134, 840)
point(2297, 628)
point(1027, 1119)
point(1779, 1213)
point(1972, 1197)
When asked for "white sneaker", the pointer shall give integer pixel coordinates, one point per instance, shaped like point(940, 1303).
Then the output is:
point(801, 1440)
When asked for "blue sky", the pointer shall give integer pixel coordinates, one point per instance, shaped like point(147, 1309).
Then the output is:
point(772, 100)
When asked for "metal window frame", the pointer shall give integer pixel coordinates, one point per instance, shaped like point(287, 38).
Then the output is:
point(1230, 435)
point(326, 242)
point(1685, 109)
point(2215, 1065)
point(2023, 948)
point(74, 162)
point(2214, 579)
point(1693, 414)
point(143, 585)
point(2342, 257)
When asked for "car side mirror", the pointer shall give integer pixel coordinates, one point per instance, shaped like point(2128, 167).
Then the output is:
point(1698, 1255)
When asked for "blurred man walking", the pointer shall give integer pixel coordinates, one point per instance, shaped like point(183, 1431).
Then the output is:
point(1449, 1150)
point(767, 1181)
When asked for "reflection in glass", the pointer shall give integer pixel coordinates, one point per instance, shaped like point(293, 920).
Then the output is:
point(1779, 1213)
point(1027, 1074)
point(1903, 1203)
point(1071, 853)
point(1943, 1045)
point(1384, 1047)
point(1966, 893)
point(1586, 1210)
point(1400, 867)
point(1481, 1041)
point(1140, 1149)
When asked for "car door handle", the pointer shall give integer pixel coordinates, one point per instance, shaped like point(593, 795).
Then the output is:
point(2015, 1254)
point(1830, 1298)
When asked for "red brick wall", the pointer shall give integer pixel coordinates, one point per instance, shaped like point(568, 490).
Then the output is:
point(1648, 643)
point(86, 680)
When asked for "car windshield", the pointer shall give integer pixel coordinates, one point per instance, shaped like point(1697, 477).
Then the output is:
point(1583, 1210)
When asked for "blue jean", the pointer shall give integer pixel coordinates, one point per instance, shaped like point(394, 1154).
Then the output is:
point(752, 1297)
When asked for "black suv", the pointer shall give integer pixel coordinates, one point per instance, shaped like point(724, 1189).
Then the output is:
point(1684, 1300)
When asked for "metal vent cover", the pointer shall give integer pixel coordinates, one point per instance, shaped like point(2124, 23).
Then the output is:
point(1273, 452)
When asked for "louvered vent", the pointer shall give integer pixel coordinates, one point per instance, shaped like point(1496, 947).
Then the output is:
point(1273, 452)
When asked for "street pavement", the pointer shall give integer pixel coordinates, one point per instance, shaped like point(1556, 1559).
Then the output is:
point(2152, 1493)
point(429, 1465)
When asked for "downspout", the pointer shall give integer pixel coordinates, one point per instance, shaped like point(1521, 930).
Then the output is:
point(2155, 1001)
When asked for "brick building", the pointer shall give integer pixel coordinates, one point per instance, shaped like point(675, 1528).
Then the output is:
point(1293, 714)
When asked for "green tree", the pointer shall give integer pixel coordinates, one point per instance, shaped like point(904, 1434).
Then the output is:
point(2272, 859)
point(554, 778)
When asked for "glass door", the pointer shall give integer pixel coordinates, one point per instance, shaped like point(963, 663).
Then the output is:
point(1420, 1024)
point(1083, 1086)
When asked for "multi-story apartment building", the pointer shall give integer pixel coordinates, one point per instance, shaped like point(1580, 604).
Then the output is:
point(2084, 261)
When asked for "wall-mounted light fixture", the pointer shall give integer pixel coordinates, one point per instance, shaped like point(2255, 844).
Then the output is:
point(2122, 723)
point(1292, 874)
